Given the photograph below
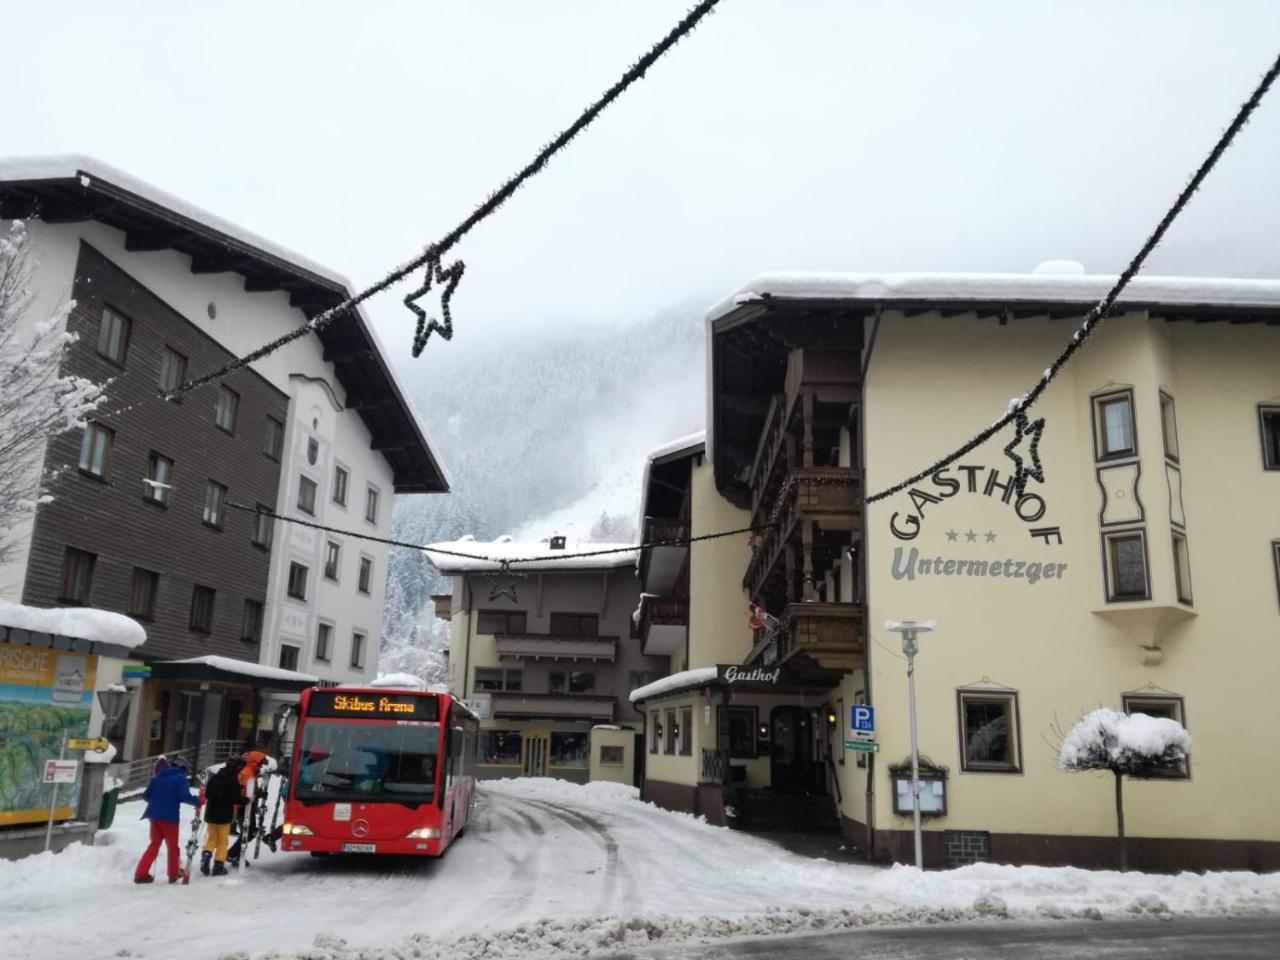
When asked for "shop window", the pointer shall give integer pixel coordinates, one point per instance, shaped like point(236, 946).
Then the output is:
point(214, 495)
point(738, 726)
point(575, 625)
point(77, 576)
point(324, 642)
point(571, 681)
point(1269, 422)
point(340, 486)
point(113, 336)
point(1126, 559)
point(500, 747)
point(273, 438)
point(288, 657)
point(159, 479)
point(226, 409)
point(307, 495)
point(365, 581)
point(297, 581)
point(686, 731)
point(262, 526)
point(1169, 426)
point(95, 450)
point(570, 749)
point(332, 556)
point(495, 622)
point(202, 600)
point(655, 730)
point(1167, 707)
point(672, 731)
point(989, 736)
point(495, 679)
point(142, 594)
point(1113, 431)
point(251, 622)
point(173, 371)
point(611, 756)
point(1182, 568)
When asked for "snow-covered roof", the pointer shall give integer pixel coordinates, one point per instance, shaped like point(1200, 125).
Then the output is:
point(533, 555)
point(687, 445)
point(399, 681)
point(80, 623)
point(125, 190)
point(1010, 288)
point(685, 680)
point(247, 668)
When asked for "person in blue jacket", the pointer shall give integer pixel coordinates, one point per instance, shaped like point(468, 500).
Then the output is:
point(165, 794)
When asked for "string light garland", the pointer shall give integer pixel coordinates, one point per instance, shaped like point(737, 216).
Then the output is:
point(1032, 429)
point(434, 254)
point(503, 583)
point(1103, 308)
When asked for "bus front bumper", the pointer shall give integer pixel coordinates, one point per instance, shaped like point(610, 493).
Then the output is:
point(314, 844)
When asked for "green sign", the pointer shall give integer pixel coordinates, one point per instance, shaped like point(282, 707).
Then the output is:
point(862, 746)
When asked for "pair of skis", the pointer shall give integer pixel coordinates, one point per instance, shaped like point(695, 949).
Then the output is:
point(193, 841)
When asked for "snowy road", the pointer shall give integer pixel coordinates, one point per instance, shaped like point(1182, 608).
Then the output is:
point(577, 869)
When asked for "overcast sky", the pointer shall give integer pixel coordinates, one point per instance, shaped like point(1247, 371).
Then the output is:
point(784, 134)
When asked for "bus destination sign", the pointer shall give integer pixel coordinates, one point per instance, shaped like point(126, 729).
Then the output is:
point(372, 705)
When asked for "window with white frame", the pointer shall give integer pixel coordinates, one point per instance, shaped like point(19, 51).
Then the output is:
point(324, 642)
point(371, 504)
point(340, 476)
point(1113, 425)
point(307, 495)
point(297, 581)
point(332, 554)
point(495, 679)
point(288, 657)
point(365, 582)
point(214, 495)
point(1169, 426)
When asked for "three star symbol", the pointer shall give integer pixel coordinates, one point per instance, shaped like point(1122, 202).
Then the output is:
point(429, 325)
point(1024, 428)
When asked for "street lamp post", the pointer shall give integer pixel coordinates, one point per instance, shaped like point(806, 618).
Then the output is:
point(909, 630)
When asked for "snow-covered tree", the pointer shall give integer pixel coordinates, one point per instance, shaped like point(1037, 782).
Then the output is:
point(1123, 744)
point(36, 402)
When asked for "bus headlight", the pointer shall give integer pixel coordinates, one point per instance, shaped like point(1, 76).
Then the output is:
point(298, 830)
point(423, 833)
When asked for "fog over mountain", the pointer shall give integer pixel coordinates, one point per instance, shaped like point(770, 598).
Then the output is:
point(540, 434)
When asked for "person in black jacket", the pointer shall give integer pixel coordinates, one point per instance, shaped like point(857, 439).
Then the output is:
point(221, 794)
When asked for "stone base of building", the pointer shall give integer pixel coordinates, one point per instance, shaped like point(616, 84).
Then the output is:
point(951, 848)
point(704, 800)
point(16, 842)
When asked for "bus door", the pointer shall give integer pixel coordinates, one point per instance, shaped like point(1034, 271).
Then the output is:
point(536, 746)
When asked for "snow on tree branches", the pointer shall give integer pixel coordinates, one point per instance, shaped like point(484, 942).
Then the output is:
point(36, 401)
point(1125, 743)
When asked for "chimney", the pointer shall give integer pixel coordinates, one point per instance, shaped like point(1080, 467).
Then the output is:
point(557, 543)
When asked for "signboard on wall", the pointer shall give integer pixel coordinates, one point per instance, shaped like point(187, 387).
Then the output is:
point(482, 708)
point(45, 694)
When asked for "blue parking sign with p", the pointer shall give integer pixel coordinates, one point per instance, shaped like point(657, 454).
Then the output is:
point(862, 719)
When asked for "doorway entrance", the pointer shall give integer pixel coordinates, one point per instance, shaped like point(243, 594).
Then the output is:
point(791, 748)
point(535, 754)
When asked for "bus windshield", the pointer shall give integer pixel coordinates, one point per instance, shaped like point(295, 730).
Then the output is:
point(367, 761)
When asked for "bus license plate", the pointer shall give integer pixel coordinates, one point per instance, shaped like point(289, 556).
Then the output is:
point(359, 848)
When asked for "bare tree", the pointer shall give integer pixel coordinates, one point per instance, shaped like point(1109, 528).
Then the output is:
point(1124, 744)
point(36, 401)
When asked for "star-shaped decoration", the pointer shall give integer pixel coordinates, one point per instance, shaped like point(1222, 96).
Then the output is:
point(429, 325)
point(1025, 428)
point(991, 537)
point(951, 536)
point(970, 536)
point(503, 583)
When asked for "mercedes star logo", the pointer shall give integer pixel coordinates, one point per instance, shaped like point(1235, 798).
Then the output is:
point(360, 828)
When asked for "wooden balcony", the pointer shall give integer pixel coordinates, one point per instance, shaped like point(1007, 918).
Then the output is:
point(828, 634)
point(515, 705)
point(664, 625)
point(660, 566)
point(534, 646)
point(811, 502)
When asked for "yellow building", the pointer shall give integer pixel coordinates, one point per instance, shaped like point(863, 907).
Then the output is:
point(1141, 573)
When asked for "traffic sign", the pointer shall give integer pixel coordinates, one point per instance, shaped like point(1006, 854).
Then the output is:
point(862, 746)
point(60, 771)
point(862, 718)
point(94, 743)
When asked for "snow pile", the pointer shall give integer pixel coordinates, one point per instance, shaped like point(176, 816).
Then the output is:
point(599, 794)
point(399, 681)
point(1106, 739)
point(101, 756)
point(82, 623)
point(686, 679)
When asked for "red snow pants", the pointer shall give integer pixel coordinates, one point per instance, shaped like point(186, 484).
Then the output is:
point(161, 832)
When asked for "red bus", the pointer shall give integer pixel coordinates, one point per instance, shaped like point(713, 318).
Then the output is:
point(378, 770)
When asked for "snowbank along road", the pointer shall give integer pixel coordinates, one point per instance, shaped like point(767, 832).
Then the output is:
point(546, 869)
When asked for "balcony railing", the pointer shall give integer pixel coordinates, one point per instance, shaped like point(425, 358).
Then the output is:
point(536, 646)
point(663, 529)
point(663, 625)
point(830, 634)
point(660, 566)
point(510, 704)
